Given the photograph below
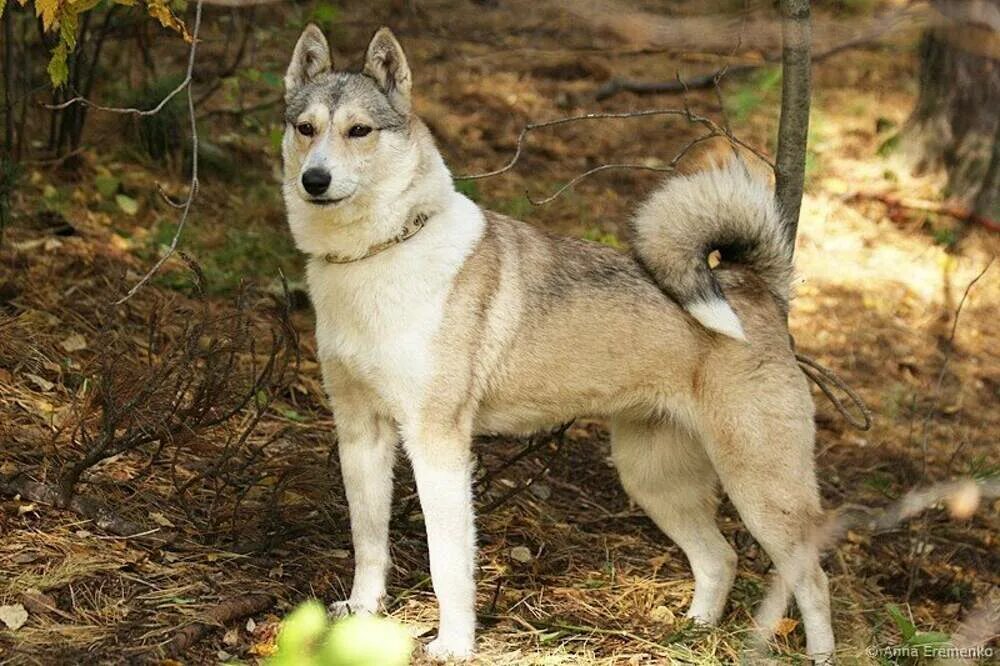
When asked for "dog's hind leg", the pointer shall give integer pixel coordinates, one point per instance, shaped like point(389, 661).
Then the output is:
point(759, 433)
point(665, 470)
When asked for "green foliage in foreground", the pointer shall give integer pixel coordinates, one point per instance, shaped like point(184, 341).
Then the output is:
point(308, 639)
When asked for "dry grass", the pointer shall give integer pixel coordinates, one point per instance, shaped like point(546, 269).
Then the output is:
point(876, 302)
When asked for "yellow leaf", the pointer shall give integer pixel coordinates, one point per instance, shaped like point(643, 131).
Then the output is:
point(785, 626)
point(159, 10)
point(47, 10)
point(81, 6)
point(264, 649)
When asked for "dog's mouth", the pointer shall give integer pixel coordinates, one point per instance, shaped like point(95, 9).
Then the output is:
point(318, 201)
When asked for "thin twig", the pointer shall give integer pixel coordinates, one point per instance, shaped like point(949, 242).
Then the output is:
point(714, 130)
point(949, 352)
point(193, 187)
point(186, 84)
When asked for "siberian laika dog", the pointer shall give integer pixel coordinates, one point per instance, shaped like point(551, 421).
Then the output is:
point(437, 320)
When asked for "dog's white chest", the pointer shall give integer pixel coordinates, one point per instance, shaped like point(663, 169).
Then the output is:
point(381, 328)
point(379, 316)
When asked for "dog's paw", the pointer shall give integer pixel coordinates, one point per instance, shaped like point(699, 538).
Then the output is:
point(444, 648)
point(339, 609)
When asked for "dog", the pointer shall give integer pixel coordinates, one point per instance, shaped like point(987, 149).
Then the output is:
point(437, 320)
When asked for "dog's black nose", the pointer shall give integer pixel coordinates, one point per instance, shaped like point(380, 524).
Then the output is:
point(316, 181)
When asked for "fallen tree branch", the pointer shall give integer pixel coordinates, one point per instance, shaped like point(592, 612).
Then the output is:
point(88, 507)
point(219, 615)
point(703, 81)
point(959, 212)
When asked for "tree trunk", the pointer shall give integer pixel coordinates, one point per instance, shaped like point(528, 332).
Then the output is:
point(953, 124)
point(796, 96)
point(988, 200)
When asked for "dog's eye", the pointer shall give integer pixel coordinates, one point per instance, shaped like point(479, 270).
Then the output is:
point(358, 131)
point(305, 129)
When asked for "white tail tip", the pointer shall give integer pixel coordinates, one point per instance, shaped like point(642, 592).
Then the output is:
point(717, 315)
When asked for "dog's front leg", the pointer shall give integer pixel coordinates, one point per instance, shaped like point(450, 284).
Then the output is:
point(442, 467)
point(367, 447)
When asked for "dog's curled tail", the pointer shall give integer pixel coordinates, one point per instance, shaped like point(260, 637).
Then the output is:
point(723, 209)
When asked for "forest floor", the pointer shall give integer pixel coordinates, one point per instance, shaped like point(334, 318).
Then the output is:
point(570, 571)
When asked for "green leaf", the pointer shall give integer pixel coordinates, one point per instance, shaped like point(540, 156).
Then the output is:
point(107, 185)
point(128, 205)
point(906, 628)
point(929, 638)
point(67, 28)
point(3, 4)
point(325, 14)
point(57, 69)
point(272, 79)
point(291, 414)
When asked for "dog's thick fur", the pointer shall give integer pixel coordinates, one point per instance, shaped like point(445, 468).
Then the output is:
point(480, 323)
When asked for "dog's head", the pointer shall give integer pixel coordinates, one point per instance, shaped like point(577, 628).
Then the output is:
point(343, 130)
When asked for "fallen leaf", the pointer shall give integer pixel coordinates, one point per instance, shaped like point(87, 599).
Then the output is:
point(785, 626)
point(13, 616)
point(28, 556)
point(40, 382)
point(37, 601)
point(540, 490)
point(107, 185)
point(120, 243)
point(521, 554)
point(418, 629)
point(663, 614)
point(74, 343)
point(128, 205)
point(160, 519)
point(264, 649)
point(251, 625)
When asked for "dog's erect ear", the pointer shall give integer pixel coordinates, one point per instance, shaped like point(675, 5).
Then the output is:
point(386, 63)
point(311, 58)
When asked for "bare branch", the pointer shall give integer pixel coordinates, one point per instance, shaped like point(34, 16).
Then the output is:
point(714, 130)
point(668, 168)
point(618, 84)
point(193, 187)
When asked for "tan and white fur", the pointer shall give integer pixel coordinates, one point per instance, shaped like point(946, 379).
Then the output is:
point(481, 324)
